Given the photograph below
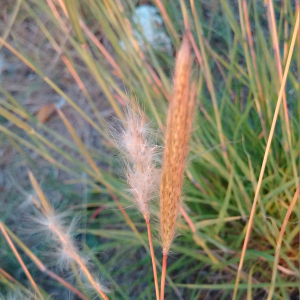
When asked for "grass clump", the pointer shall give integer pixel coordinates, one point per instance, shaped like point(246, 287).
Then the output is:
point(237, 170)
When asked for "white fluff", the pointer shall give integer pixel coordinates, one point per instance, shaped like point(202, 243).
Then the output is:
point(140, 160)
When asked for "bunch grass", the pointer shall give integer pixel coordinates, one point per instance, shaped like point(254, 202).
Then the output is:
point(241, 178)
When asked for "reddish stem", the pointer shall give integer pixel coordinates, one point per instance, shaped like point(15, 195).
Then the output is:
point(187, 219)
point(153, 259)
point(163, 277)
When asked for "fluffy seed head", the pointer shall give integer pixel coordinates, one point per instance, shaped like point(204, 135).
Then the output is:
point(134, 136)
point(64, 244)
point(179, 121)
point(52, 227)
point(141, 172)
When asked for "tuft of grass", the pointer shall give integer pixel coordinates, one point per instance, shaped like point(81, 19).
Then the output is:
point(238, 236)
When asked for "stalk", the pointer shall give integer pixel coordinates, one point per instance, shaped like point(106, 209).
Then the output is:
point(153, 259)
point(163, 277)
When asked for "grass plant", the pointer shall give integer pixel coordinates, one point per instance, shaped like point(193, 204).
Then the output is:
point(236, 165)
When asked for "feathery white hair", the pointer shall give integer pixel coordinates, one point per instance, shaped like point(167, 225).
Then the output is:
point(140, 159)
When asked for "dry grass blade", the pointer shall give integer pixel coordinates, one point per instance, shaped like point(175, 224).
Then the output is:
point(94, 39)
point(279, 241)
point(57, 16)
point(167, 19)
point(248, 232)
point(51, 83)
point(250, 40)
point(279, 69)
point(188, 219)
point(17, 255)
point(249, 69)
point(196, 237)
point(11, 21)
point(42, 197)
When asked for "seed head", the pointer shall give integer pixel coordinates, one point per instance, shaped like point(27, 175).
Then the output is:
point(179, 121)
point(140, 160)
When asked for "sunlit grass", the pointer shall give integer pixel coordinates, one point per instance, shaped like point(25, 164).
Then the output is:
point(239, 80)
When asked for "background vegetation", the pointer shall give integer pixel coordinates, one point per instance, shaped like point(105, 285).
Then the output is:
point(68, 54)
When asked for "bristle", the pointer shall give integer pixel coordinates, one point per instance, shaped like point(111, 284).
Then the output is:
point(179, 121)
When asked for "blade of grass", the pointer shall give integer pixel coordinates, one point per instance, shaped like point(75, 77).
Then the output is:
point(250, 222)
point(41, 195)
point(72, 14)
point(230, 286)
point(69, 66)
point(209, 82)
point(167, 20)
point(21, 262)
point(51, 83)
point(279, 242)
point(250, 41)
point(279, 69)
point(250, 72)
point(249, 289)
point(223, 210)
point(40, 265)
point(11, 21)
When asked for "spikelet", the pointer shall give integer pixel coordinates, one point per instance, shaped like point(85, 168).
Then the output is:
point(179, 121)
point(141, 172)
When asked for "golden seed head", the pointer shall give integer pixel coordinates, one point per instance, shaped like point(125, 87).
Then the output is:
point(179, 121)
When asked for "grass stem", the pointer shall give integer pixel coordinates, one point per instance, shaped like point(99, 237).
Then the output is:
point(163, 277)
point(187, 219)
point(153, 259)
